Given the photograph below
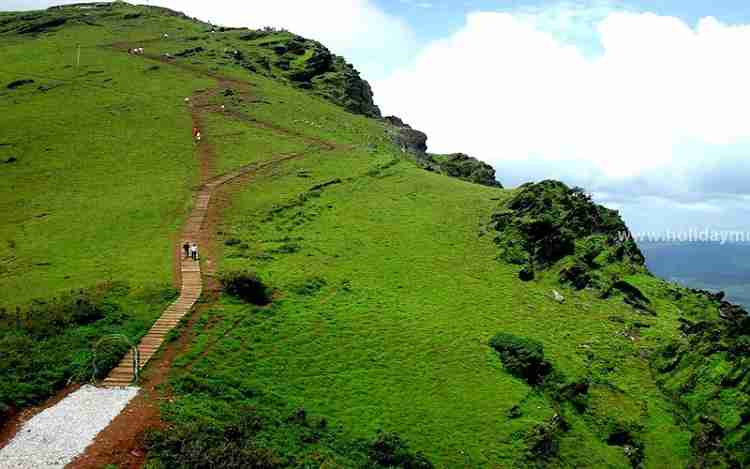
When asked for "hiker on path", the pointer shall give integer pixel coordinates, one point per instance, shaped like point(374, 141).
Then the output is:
point(197, 134)
point(186, 249)
point(194, 251)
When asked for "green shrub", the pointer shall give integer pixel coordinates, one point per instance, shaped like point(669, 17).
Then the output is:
point(51, 345)
point(246, 286)
point(526, 274)
point(309, 286)
point(196, 446)
point(232, 242)
point(523, 358)
point(45, 318)
point(389, 450)
point(576, 275)
point(543, 441)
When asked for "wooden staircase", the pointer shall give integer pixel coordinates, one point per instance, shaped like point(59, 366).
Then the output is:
point(191, 289)
point(192, 283)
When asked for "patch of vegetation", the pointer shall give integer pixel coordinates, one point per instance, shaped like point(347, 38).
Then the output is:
point(309, 286)
point(50, 343)
point(389, 450)
point(547, 224)
point(543, 223)
point(255, 439)
point(523, 358)
point(543, 441)
point(707, 370)
point(246, 286)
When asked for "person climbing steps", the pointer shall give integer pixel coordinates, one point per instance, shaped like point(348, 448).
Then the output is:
point(186, 249)
point(194, 251)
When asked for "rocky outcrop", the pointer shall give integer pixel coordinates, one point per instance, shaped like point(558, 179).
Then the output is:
point(462, 166)
point(549, 225)
point(343, 85)
point(310, 65)
point(457, 165)
point(408, 139)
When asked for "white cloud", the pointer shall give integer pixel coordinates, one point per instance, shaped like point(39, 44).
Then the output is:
point(357, 29)
point(658, 107)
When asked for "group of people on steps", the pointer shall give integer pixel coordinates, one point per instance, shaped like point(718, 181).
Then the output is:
point(190, 250)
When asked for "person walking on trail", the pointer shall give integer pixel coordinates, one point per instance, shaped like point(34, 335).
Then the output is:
point(194, 251)
point(186, 249)
point(196, 134)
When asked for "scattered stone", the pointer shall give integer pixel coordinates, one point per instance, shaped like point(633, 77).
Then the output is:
point(558, 297)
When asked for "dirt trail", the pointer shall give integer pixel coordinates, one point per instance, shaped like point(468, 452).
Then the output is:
point(122, 442)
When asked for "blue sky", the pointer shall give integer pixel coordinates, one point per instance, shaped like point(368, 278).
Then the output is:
point(433, 19)
point(643, 103)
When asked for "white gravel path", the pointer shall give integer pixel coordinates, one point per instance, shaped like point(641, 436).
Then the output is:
point(55, 436)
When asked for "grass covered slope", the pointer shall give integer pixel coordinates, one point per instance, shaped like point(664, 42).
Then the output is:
point(387, 300)
point(97, 158)
point(399, 332)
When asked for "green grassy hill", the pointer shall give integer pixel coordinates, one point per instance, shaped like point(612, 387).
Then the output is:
point(400, 333)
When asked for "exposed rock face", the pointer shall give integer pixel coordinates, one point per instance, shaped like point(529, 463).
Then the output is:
point(310, 65)
point(407, 138)
point(343, 85)
point(458, 165)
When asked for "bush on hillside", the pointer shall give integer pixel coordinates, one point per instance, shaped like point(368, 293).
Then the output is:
point(309, 286)
point(246, 286)
point(523, 358)
point(49, 344)
point(46, 318)
point(576, 275)
point(202, 446)
point(260, 439)
point(526, 274)
point(543, 440)
point(389, 450)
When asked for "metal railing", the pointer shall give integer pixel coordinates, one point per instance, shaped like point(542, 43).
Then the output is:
point(133, 348)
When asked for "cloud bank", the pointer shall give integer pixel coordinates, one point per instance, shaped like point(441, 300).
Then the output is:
point(658, 114)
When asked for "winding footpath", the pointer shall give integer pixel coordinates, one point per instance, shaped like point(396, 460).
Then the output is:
point(81, 429)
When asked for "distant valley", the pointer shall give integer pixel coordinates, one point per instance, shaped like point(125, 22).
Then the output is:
point(711, 266)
